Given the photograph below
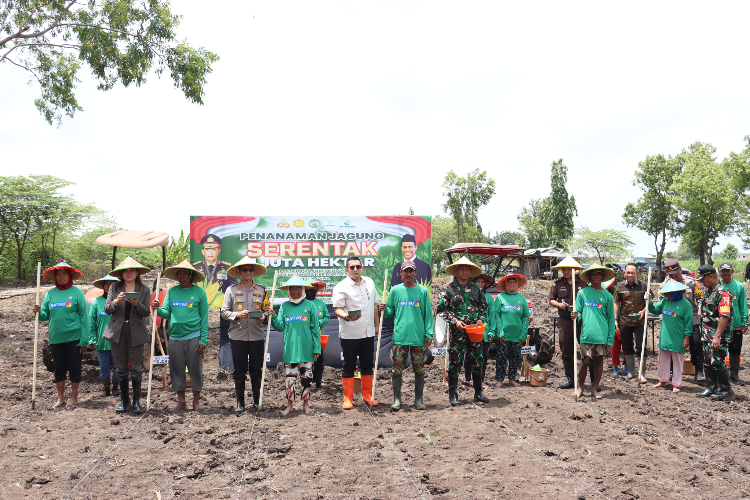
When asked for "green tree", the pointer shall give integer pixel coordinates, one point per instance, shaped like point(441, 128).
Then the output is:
point(606, 244)
point(562, 207)
point(443, 237)
point(465, 196)
point(730, 252)
point(534, 221)
point(654, 212)
point(120, 40)
point(507, 238)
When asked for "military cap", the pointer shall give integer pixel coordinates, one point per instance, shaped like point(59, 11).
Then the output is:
point(211, 239)
point(703, 271)
point(672, 266)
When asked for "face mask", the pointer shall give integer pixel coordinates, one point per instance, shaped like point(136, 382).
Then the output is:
point(676, 296)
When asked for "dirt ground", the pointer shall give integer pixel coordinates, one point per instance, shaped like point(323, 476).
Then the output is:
point(527, 442)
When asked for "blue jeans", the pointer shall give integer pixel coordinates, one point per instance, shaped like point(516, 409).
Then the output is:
point(107, 365)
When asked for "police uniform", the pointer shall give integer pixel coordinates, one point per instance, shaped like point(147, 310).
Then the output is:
point(562, 291)
point(716, 304)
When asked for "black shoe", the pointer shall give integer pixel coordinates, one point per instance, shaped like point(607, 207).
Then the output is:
point(136, 397)
point(734, 368)
point(239, 390)
point(724, 389)
point(569, 375)
point(452, 387)
point(116, 388)
point(710, 375)
point(124, 397)
point(699, 376)
point(255, 407)
point(107, 383)
point(477, 380)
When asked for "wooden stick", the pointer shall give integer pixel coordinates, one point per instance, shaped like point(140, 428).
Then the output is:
point(268, 334)
point(524, 363)
point(641, 369)
point(575, 341)
point(380, 330)
point(153, 341)
point(36, 334)
point(446, 358)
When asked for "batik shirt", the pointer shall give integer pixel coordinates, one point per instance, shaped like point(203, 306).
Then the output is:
point(462, 303)
point(717, 303)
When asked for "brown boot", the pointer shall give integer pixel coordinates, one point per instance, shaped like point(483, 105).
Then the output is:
point(367, 389)
point(348, 392)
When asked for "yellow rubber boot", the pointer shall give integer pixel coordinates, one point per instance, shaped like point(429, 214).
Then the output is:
point(367, 389)
point(348, 392)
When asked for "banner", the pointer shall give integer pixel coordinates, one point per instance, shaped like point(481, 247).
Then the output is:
point(314, 247)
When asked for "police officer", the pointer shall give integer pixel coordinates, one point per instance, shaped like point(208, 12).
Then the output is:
point(560, 297)
point(716, 330)
point(739, 318)
point(211, 267)
point(693, 294)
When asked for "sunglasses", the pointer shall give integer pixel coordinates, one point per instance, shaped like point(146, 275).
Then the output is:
point(355, 267)
point(247, 270)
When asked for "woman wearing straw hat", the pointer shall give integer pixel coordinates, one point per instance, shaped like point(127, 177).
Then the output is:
point(127, 329)
point(511, 326)
point(98, 321)
point(323, 318)
point(298, 320)
point(676, 329)
point(245, 304)
point(66, 309)
point(596, 310)
point(186, 308)
point(462, 303)
point(485, 281)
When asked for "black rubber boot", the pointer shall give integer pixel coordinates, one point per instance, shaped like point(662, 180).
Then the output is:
point(699, 376)
point(476, 378)
point(239, 391)
point(397, 379)
point(419, 392)
point(107, 383)
point(255, 384)
point(124, 397)
point(569, 375)
point(452, 388)
point(710, 375)
point(116, 388)
point(734, 367)
point(136, 397)
point(724, 388)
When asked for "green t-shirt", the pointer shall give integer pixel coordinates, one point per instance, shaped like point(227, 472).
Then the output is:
point(98, 321)
point(413, 311)
point(596, 311)
point(323, 316)
point(511, 321)
point(187, 311)
point(299, 322)
point(739, 303)
point(67, 312)
point(676, 323)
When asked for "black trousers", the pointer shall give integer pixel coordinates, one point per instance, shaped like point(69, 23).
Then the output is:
point(626, 334)
point(247, 354)
point(318, 369)
point(696, 347)
point(364, 348)
point(467, 362)
point(735, 345)
point(67, 358)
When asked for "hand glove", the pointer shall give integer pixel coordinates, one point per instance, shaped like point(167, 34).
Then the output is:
point(646, 296)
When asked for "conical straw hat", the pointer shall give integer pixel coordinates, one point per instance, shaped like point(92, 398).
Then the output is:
point(295, 280)
point(171, 272)
point(519, 277)
point(672, 286)
point(464, 261)
point(129, 263)
point(568, 262)
point(49, 273)
point(234, 271)
point(608, 273)
point(102, 281)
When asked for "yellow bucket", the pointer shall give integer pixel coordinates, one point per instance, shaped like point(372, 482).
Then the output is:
point(539, 377)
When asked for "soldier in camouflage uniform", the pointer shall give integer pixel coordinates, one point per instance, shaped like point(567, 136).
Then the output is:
point(463, 303)
point(716, 317)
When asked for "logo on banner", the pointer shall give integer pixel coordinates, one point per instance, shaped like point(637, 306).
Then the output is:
point(182, 304)
point(55, 305)
point(511, 308)
point(315, 224)
point(298, 223)
point(592, 304)
point(283, 223)
point(669, 313)
point(295, 318)
point(409, 303)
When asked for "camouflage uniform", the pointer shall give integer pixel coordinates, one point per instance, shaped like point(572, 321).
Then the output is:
point(400, 353)
point(467, 304)
point(717, 303)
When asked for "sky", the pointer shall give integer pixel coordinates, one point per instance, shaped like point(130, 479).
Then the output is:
point(361, 108)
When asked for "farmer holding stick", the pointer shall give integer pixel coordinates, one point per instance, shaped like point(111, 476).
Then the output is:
point(355, 303)
point(245, 306)
point(463, 303)
point(596, 310)
point(412, 331)
point(561, 298)
point(67, 311)
point(298, 320)
point(126, 331)
point(186, 308)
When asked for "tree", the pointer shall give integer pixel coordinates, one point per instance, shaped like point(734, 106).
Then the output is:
point(605, 243)
point(654, 213)
point(443, 237)
point(562, 207)
point(465, 196)
point(120, 40)
point(730, 252)
point(534, 221)
point(507, 238)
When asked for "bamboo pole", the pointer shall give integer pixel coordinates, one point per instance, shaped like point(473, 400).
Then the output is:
point(641, 369)
point(153, 341)
point(268, 334)
point(575, 341)
point(377, 350)
point(36, 334)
